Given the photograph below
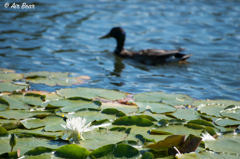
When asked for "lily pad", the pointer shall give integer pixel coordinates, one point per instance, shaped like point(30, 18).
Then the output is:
point(216, 102)
point(161, 97)
point(72, 151)
point(155, 107)
point(29, 98)
point(9, 87)
point(91, 93)
point(39, 150)
point(185, 114)
point(212, 109)
point(74, 104)
point(14, 103)
point(227, 122)
point(3, 104)
point(54, 78)
point(233, 112)
point(226, 143)
point(3, 131)
point(132, 120)
point(127, 109)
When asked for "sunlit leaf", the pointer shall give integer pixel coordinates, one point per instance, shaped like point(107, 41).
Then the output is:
point(185, 114)
point(91, 93)
point(9, 87)
point(227, 122)
point(10, 76)
point(233, 112)
point(3, 104)
point(132, 120)
point(171, 99)
point(155, 107)
point(3, 131)
point(39, 150)
point(72, 151)
point(14, 103)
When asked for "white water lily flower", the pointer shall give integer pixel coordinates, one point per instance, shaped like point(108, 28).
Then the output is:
point(207, 137)
point(77, 126)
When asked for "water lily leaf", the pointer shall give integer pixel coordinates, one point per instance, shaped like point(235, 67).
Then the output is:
point(212, 109)
point(179, 130)
point(10, 76)
point(3, 70)
point(121, 107)
point(72, 151)
point(148, 155)
point(169, 142)
point(91, 93)
point(14, 103)
point(171, 99)
point(89, 115)
point(54, 78)
point(126, 151)
point(155, 107)
point(227, 122)
point(39, 132)
point(73, 104)
point(201, 122)
point(43, 156)
point(206, 154)
point(132, 120)
point(113, 111)
point(95, 139)
point(233, 112)
point(9, 87)
point(26, 144)
point(48, 96)
point(3, 131)
point(185, 114)
point(38, 151)
point(12, 125)
point(22, 114)
point(103, 151)
point(13, 154)
point(216, 102)
point(226, 143)
point(3, 104)
point(47, 122)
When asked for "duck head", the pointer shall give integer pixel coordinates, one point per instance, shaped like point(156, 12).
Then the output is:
point(119, 34)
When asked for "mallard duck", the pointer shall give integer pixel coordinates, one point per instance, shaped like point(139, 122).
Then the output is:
point(147, 56)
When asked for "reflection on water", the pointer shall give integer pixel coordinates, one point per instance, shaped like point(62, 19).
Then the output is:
point(63, 36)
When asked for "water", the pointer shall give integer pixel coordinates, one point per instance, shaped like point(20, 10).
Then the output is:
point(63, 36)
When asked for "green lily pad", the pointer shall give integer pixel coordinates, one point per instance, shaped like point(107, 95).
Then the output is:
point(3, 104)
point(212, 109)
point(227, 122)
point(103, 151)
point(127, 109)
point(74, 104)
point(96, 139)
point(171, 99)
point(39, 132)
point(233, 113)
point(216, 102)
point(26, 144)
point(132, 120)
point(12, 124)
point(91, 93)
point(9, 87)
point(3, 131)
point(148, 155)
point(155, 107)
point(226, 143)
point(51, 123)
point(30, 99)
point(72, 151)
point(38, 151)
point(185, 114)
point(14, 103)
point(201, 122)
point(10, 76)
point(22, 114)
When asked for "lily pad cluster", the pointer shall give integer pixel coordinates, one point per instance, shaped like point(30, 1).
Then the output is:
point(146, 125)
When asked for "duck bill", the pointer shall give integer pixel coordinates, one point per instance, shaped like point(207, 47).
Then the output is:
point(105, 36)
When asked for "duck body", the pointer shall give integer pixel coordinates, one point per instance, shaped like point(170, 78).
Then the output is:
point(146, 56)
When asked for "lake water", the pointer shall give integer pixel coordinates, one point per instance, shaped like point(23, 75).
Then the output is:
point(63, 36)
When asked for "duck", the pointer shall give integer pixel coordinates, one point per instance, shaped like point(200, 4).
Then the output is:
point(146, 56)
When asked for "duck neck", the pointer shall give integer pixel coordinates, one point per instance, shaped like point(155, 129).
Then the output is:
point(120, 46)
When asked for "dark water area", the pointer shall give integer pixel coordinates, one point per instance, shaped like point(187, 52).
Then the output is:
point(63, 36)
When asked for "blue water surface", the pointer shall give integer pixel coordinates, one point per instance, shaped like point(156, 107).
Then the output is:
point(63, 36)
